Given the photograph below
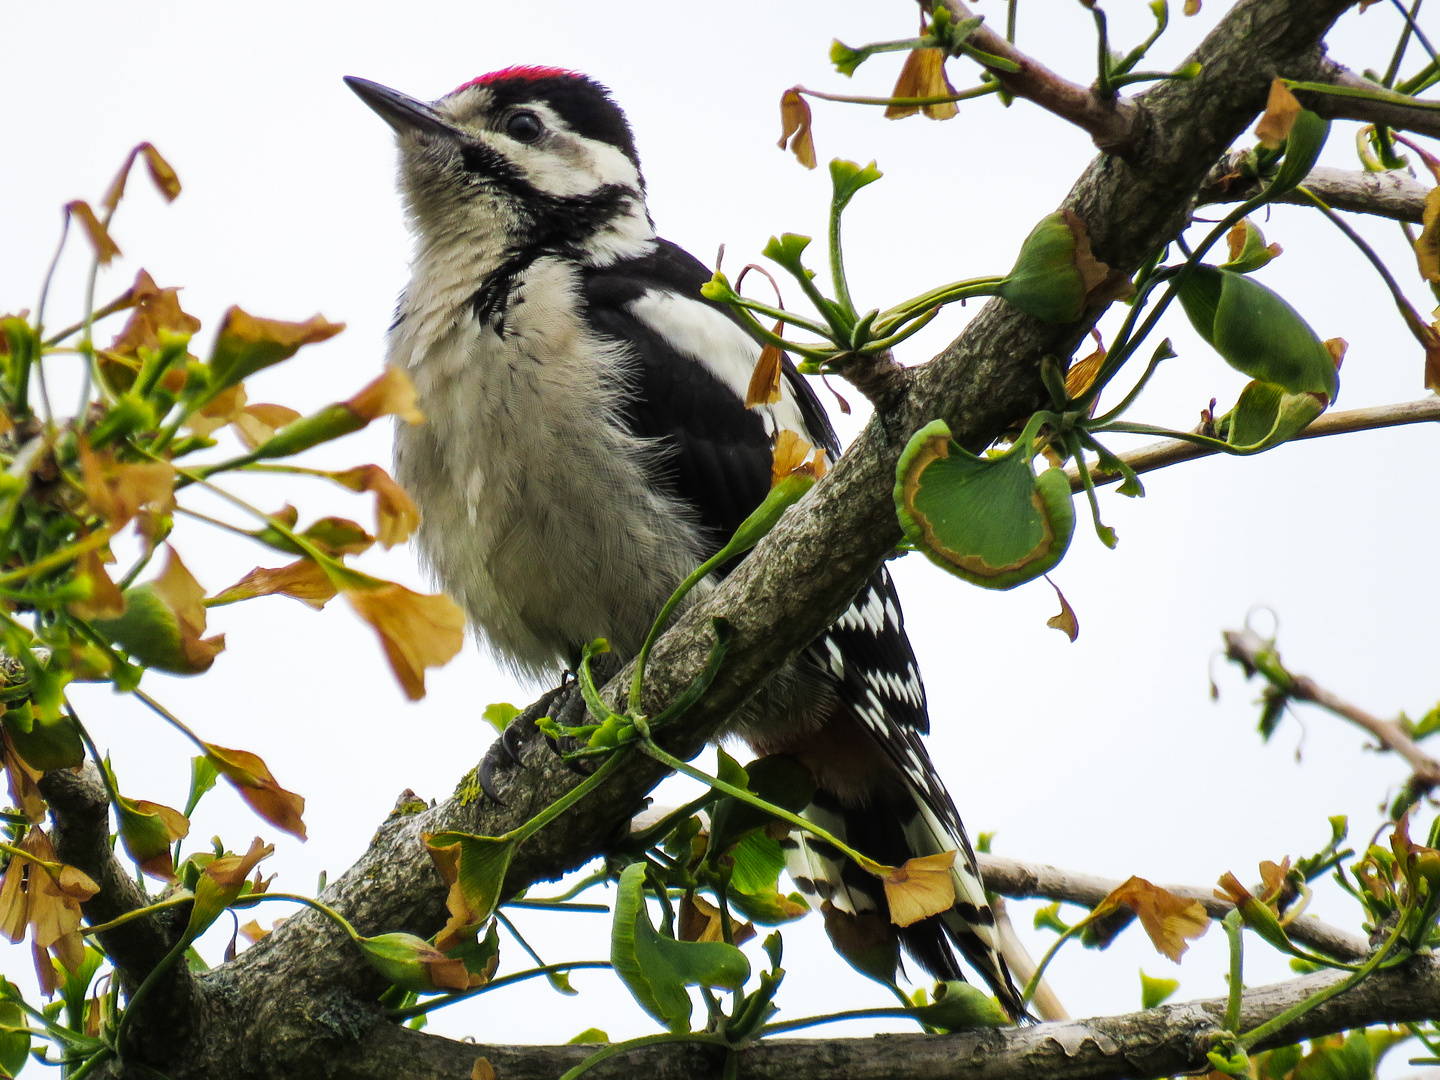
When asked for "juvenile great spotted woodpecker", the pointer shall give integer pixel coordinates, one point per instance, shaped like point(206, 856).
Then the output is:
point(587, 445)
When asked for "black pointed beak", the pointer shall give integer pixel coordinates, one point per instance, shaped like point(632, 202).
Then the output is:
point(403, 113)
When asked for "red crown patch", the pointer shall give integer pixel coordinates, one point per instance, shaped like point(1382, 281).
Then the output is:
point(524, 72)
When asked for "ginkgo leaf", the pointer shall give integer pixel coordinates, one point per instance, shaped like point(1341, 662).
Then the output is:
point(417, 631)
point(764, 388)
point(922, 887)
point(988, 520)
point(474, 867)
point(105, 601)
point(304, 579)
point(246, 344)
point(163, 622)
point(412, 963)
point(1281, 110)
point(923, 76)
point(657, 969)
point(795, 125)
point(220, 884)
point(397, 516)
point(117, 490)
point(252, 778)
point(1170, 921)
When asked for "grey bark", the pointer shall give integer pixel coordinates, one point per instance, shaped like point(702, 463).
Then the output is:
point(301, 1002)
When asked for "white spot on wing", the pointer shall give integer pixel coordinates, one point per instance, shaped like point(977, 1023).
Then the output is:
point(699, 331)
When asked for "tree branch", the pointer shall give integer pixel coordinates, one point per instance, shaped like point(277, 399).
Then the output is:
point(1257, 656)
point(1393, 194)
point(1399, 112)
point(1167, 452)
point(1111, 123)
point(1025, 880)
point(80, 810)
point(1138, 1046)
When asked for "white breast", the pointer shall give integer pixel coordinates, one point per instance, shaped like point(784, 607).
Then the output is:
point(539, 517)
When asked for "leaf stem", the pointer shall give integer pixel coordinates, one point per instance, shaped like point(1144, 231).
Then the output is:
point(867, 864)
point(635, 1044)
point(1234, 925)
point(424, 1007)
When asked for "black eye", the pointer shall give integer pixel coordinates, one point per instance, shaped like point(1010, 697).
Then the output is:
point(524, 127)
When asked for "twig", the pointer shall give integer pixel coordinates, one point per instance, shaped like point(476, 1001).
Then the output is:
point(1395, 113)
point(1110, 122)
point(1258, 656)
point(1392, 194)
point(1171, 451)
point(1023, 880)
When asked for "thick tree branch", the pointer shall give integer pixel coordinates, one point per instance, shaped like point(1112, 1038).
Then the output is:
point(1172, 451)
point(297, 1002)
point(1394, 194)
point(1257, 656)
point(1138, 1046)
point(1111, 123)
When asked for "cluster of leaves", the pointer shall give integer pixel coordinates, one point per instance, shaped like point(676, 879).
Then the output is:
point(71, 489)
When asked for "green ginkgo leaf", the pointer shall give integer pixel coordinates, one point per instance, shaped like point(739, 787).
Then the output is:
point(1257, 332)
point(657, 969)
point(1267, 416)
point(991, 521)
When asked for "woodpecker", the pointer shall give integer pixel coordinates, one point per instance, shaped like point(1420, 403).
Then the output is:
point(587, 445)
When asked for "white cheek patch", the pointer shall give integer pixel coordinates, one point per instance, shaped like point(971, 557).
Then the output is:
point(699, 331)
point(563, 163)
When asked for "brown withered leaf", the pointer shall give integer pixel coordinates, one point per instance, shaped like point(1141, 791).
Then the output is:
point(391, 394)
point(1280, 112)
point(161, 173)
point(1082, 373)
point(105, 600)
point(230, 871)
point(1192, 7)
point(1274, 876)
point(482, 1070)
point(95, 231)
point(256, 423)
point(155, 309)
point(396, 515)
point(923, 76)
point(252, 778)
point(24, 782)
point(921, 888)
point(764, 388)
point(181, 593)
point(12, 900)
point(1429, 338)
point(793, 454)
point(1337, 347)
point(1427, 244)
point(220, 410)
point(1101, 283)
point(795, 127)
point(417, 631)
point(252, 931)
point(303, 579)
point(1170, 921)
point(699, 920)
point(52, 912)
point(1065, 622)
point(117, 490)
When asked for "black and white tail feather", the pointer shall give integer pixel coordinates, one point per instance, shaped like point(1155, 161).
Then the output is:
point(588, 443)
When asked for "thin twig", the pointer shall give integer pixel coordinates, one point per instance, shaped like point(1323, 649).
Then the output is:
point(1256, 655)
point(1110, 122)
point(1391, 194)
point(1171, 451)
point(1023, 880)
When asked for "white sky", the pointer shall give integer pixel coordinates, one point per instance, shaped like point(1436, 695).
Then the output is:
point(1106, 755)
